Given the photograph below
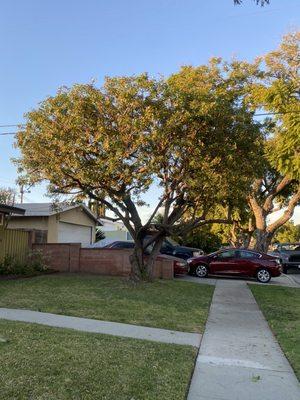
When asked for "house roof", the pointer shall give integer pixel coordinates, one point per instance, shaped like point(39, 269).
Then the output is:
point(4, 208)
point(48, 209)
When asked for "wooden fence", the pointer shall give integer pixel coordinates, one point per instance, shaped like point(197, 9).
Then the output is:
point(14, 243)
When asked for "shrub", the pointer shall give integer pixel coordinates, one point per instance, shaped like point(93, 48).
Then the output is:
point(34, 262)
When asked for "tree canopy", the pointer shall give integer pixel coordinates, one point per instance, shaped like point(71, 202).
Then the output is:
point(188, 134)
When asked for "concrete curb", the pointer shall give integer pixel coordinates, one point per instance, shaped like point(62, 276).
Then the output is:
point(103, 327)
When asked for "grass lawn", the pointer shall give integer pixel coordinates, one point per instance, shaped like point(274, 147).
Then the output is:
point(166, 304)
point(43, 363)
point(281, 307)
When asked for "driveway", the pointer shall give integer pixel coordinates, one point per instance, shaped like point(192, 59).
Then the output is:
point(291, 280)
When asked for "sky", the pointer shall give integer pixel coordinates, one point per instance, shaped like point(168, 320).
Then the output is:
point(50, 43)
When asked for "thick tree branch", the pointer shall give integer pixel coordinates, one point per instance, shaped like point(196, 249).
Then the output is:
point(283, 184)
point(288, 213)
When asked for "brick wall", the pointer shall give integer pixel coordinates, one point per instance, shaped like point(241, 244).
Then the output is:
point(66, 257)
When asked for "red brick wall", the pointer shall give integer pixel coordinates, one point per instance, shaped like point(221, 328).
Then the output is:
point(72, 258)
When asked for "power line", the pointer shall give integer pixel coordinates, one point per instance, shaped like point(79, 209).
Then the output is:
point(255, 115)
point(10, 126)
point(276, 113)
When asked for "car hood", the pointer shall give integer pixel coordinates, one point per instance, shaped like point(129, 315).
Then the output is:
point(168, 257)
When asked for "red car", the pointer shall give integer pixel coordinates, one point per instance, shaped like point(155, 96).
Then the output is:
point(236, 262)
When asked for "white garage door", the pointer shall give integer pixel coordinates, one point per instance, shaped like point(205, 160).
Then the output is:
point(71, 233)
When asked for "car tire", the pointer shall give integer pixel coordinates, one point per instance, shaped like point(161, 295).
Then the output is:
point(285, 269)
point(263, 275)
point(201, 271)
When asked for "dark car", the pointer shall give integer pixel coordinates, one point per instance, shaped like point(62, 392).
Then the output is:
point(236, 262)
point(172, 248)
point(289, 255)
point(180, 266)
point(169, 247)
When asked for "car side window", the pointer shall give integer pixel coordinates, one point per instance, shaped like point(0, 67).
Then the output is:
point(247, 254)
point(227, 254)
point(166, 246)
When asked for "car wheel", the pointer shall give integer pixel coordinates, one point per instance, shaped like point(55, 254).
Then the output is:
point(201, 271)
point(285, 269)
point(263, 275)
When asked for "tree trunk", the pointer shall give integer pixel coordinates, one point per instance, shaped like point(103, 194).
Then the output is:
point(142, 265)
point(152, 258)
point(262, 240)
point(138, 267)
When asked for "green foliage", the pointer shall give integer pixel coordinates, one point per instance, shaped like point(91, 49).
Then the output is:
point(278, 94)
point(34, 263)
point(203, 238)
point(288, 233)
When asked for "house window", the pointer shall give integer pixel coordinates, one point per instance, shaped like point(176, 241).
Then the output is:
point(40, 237)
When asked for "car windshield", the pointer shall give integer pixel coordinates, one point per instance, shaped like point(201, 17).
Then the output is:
point(172, 241)
point(289, 247)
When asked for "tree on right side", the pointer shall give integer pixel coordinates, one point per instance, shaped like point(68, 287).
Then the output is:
point(278, 95)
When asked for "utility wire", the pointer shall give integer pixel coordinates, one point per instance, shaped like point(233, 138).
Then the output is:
point(9, 126)
point(255, 115)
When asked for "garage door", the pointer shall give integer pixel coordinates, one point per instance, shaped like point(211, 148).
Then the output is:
point(71, 233)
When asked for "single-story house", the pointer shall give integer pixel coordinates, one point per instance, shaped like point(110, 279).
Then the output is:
point(113, 231)
point(59, 223)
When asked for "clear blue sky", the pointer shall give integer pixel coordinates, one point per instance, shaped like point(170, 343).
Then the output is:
point(49, 43)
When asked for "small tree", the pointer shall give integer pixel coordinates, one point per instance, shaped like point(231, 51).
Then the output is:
point(189, 135)
point(7, 196)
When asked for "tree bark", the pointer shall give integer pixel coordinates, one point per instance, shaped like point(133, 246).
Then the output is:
point(138, 267)
point(142, 264)
point(262, 240)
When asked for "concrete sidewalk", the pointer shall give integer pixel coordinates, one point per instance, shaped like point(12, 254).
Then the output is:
point(104, 327)
point(239, 358)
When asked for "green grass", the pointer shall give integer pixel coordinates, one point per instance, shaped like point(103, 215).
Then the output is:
point(43, 363)
point(166, 304)
point(281, 307)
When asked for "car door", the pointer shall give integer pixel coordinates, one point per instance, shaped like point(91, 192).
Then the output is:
point(246, 262)
point(223, 262)
point(167, 248)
